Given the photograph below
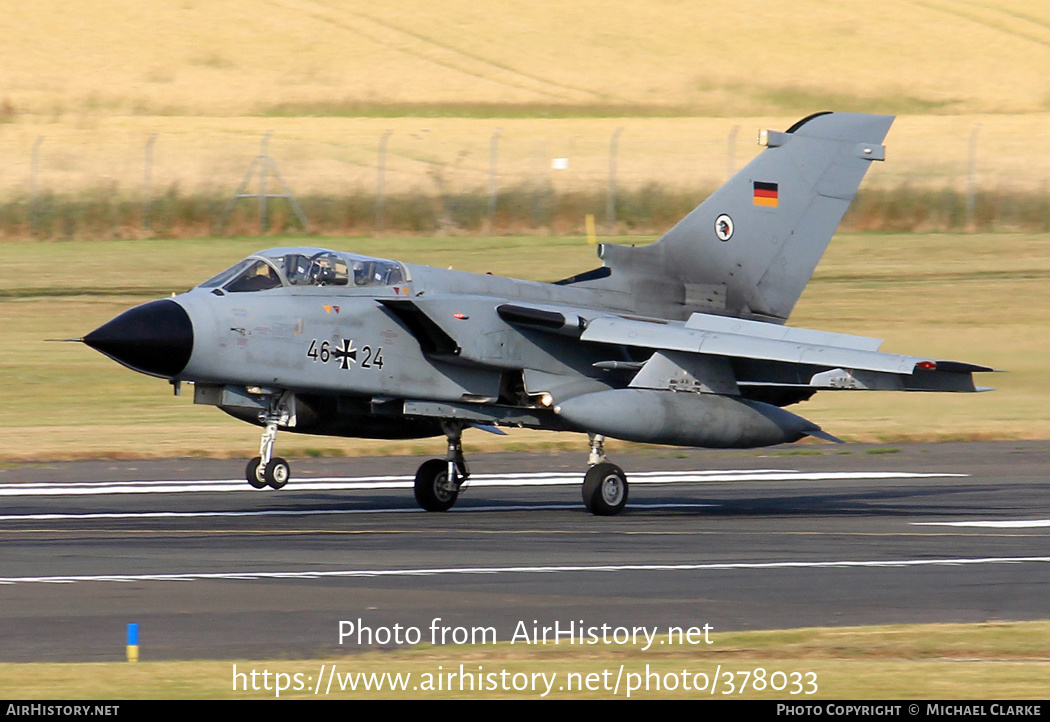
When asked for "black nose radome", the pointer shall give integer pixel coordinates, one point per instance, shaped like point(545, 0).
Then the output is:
point(155, 338)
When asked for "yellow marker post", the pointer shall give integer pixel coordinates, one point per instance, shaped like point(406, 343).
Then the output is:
point(592, 237)
point(133, 642)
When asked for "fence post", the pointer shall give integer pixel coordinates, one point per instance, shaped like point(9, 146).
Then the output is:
point(731, 154)
point(971, 179)
point(610, 209)
point(266, 165)
point(147, 182)
point(381, 183)
point(34, 168)
point(493, 176)
point(264, 170)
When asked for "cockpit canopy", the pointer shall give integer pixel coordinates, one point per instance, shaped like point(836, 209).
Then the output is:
point(279, 267)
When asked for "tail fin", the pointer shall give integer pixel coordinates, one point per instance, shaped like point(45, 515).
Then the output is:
point(751, 247)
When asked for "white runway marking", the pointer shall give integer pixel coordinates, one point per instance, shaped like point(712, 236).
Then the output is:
point(573, 569)
point(990, 524)
point(373, 483)
point(314, 512)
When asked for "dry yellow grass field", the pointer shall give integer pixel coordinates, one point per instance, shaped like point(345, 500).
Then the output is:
point(242, 57)
point(330, 77)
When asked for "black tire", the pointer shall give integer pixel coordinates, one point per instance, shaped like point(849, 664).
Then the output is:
point(254, 474)
point(605, 489)
point(277, 473)
point(429, 489)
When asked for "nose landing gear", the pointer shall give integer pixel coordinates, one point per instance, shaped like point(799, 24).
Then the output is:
point(266, 469)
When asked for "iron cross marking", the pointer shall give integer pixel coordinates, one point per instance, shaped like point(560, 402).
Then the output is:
point(346, 353)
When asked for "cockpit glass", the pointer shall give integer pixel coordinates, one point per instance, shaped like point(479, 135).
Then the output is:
point(377, 272)
point(259, 276)
point(306, 267)
point(363, 273)
point(221, 278)
point(321, 269)
point(328, 268)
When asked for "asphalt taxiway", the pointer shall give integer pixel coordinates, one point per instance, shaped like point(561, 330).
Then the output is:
point(787, 537)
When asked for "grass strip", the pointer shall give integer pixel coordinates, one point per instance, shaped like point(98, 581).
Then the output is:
point(934, 661)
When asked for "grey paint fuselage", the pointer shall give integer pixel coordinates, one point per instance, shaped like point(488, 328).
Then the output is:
point(265, 337)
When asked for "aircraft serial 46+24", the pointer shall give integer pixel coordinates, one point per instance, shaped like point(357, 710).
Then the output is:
point(680, 342)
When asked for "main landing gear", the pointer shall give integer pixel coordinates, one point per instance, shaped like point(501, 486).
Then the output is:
point(438, 481)
point(604, 484)
point(266, 469)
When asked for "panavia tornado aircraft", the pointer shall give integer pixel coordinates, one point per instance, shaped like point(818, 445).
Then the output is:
point(680, 342)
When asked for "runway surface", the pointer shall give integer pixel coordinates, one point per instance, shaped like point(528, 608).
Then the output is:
point(210, 568)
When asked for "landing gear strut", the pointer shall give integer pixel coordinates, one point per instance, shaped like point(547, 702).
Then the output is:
point(266, 469)
point(438, 481)
point(605, 484)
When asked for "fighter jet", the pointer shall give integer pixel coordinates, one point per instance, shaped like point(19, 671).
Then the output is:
point(681, 342)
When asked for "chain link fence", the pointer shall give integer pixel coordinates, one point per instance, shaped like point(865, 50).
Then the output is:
point(194, 177)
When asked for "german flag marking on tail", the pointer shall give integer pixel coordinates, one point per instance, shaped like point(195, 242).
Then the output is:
point(766, 194)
